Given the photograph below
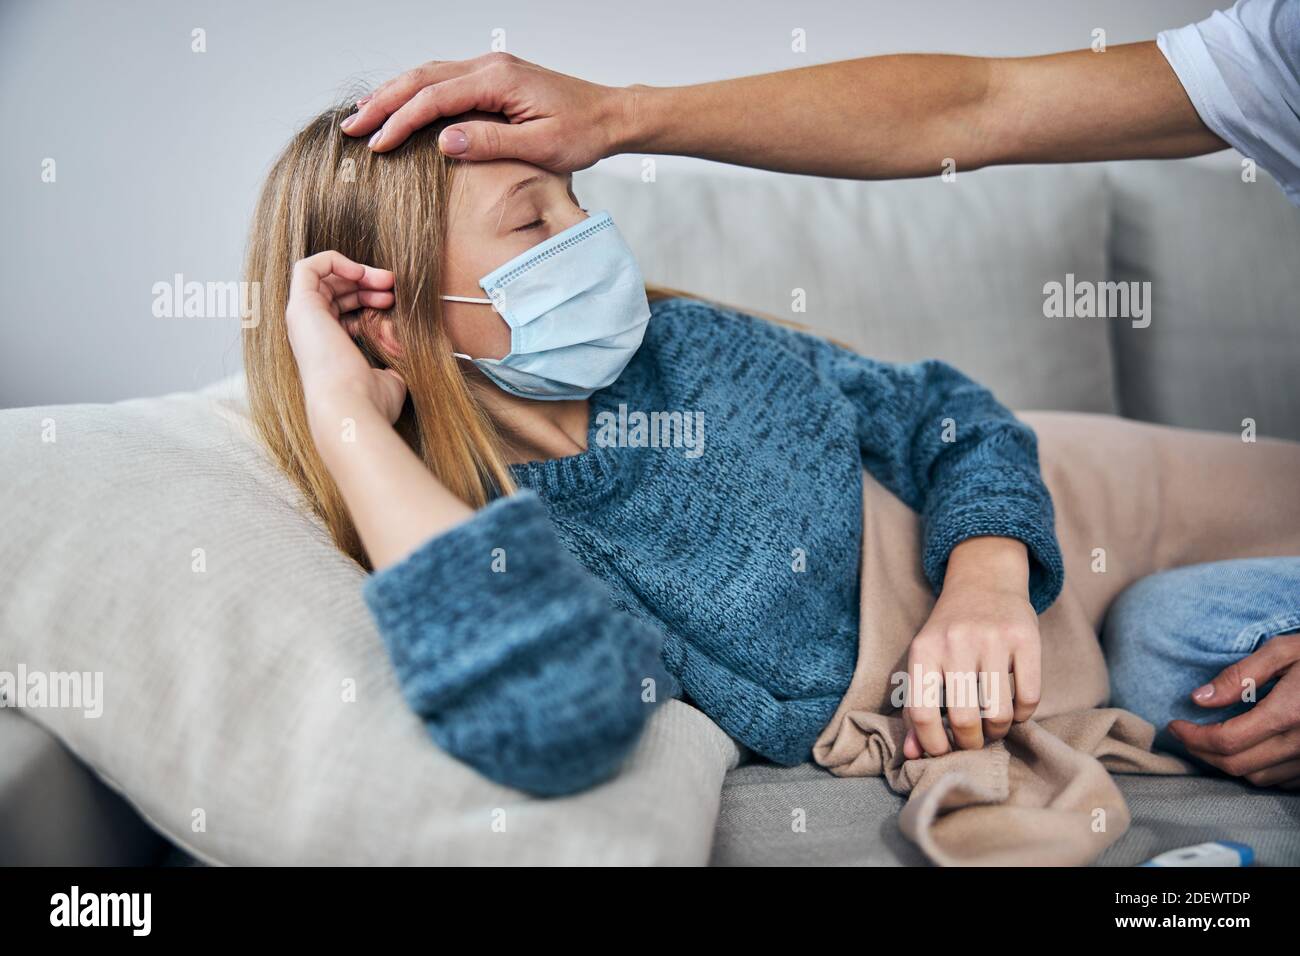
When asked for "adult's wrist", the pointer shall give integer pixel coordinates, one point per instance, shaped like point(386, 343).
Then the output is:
point(638, 112)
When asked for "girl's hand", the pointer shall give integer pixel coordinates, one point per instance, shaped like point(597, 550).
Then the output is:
point(982, 629)
point(326, 291)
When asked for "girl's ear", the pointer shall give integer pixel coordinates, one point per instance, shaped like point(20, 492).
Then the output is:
point(382, 330)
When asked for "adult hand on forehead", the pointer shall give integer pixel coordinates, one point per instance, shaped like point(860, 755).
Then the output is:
point(557, 122)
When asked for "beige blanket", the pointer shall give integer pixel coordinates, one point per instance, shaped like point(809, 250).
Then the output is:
point(1150, 498)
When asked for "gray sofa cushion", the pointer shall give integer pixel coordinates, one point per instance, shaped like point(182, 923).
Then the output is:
point(854, 821)
point(1223, 260)
point(1170, 812)
point(55, 812)
point(900, 271)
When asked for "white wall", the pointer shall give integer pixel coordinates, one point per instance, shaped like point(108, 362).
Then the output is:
point(160, 150)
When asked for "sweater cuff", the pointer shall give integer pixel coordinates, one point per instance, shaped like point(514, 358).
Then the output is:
point(512, 516)
point(466, 586)
point(1028, 519)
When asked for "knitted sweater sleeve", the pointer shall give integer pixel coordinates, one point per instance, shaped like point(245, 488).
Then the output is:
point(952, 453)
point(514, 655)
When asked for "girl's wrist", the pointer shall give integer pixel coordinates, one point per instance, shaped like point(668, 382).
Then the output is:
point(339, 416)
point(989, 562)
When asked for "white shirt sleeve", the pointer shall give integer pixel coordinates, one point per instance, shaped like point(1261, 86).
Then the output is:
point(1241, 68)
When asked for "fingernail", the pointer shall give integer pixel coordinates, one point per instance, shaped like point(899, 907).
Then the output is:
point(348, 122)
point(1203, 693)
point(374, 140)
point(454, 141)
point(365, 99)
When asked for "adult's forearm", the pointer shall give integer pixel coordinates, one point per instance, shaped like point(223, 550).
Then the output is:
point(866, 119)
point(906, 115)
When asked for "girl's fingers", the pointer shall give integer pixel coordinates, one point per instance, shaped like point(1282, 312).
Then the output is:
point(999, 708)
point(379, 279)
point(347, 296)
point(336, 287)
point(923, 712)
point(912, 746)
point(310, 272)
point(341, 284)
point(1027, 665)
point(351, 301)
point(348, 302)
point(962, 686)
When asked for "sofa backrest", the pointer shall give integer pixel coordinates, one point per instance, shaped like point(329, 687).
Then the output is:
point(1223, 260)
point(958, 270)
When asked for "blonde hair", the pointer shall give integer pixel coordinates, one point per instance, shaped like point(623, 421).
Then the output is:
point(329, 191)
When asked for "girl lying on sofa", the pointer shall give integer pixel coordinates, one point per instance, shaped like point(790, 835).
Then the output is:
point(439, 344)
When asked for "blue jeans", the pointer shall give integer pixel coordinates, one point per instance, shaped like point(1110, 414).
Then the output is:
point(1172, 632)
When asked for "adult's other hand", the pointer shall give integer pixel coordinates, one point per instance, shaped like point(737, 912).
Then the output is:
point(1263, 744)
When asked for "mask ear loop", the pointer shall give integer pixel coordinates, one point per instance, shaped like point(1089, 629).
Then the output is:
point(472, 301)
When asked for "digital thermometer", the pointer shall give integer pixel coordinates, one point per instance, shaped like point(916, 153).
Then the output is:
point(1217, 853)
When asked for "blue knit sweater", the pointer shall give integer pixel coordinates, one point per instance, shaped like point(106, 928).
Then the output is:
point(535, 638)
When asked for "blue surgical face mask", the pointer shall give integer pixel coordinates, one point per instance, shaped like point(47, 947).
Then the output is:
point(577, 312)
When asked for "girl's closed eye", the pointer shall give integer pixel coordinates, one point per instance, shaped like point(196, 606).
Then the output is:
point(541, 220)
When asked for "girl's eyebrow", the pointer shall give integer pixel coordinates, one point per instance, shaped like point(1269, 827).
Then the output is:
point(515, 189)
